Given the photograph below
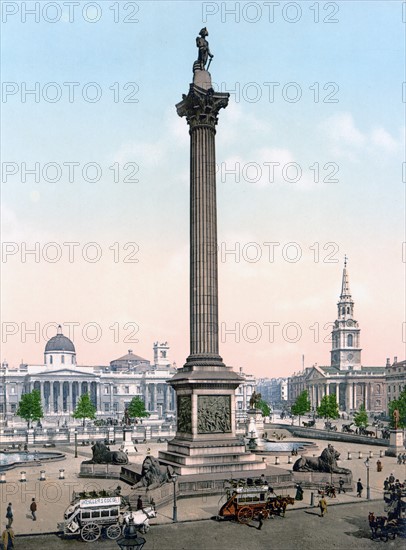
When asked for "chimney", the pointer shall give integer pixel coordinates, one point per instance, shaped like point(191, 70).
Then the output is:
point(387, 362)
point(395, 360)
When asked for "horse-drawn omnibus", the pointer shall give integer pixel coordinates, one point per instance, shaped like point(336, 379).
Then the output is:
point(245, 501)
point(90, 517)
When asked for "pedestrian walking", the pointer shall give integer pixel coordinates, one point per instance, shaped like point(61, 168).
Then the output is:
point(400, 458)
point(386, 484)
point(391, 479)
point(8, 538)
point(299, 492)
point(323, 506)
point(341, 486)
point(139, 503)
point(33, 508)
point(360, 488)
point(404, 458)
point(260, 521)
point(379, 466)
point(9, 514)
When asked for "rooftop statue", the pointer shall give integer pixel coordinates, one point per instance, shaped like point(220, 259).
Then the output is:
point(204, 51)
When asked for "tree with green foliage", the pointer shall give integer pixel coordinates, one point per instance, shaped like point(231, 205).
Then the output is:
point(84, 408)
point(136, 408)
point(264, 407)
point(328, 407)
point(400, 405)
point(30, 407)
point(302, 405)
point(361, 417)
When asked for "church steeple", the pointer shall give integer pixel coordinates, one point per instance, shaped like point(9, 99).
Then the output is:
point(345, 286)
point(345, 352)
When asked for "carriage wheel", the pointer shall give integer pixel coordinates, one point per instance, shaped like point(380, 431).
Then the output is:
point(113, 531)
point(245, 514)
point(90, 532)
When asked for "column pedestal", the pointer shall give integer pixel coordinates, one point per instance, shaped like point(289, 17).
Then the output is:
point(395, 443)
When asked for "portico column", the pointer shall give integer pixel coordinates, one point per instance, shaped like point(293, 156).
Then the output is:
point(348, 404)
point(328, 388)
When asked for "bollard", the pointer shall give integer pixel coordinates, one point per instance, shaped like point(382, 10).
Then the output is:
point(276, 460)
point(61, 473)
point(371, 454)
point(359, 454)
point(23, 478)
point(3, 477)
point(42, 475)
point(349, 457)
point(381, 453)
point(289, 459)
point(312, 499)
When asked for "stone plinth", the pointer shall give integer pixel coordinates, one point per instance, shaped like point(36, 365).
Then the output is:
point(128, 445)
point(395, 443)
point(108, 471)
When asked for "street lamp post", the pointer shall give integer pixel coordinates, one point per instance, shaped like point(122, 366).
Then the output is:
point(76, 443)
point(368, 488)
point(175, 507)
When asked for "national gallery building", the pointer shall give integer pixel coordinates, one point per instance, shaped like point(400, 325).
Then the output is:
point(61, 381)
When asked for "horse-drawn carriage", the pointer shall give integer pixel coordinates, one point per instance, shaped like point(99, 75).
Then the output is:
point(346, 428)
point(329, 426)
point(382, 528)
point(309, 424)
point(90, 517)
point(245, 501)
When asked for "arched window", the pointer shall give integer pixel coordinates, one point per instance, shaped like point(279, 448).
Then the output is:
point(62, 359)
point(348, 310)
point(378, 388)
point(349, 340)
point(343, 311)
point(51, 360)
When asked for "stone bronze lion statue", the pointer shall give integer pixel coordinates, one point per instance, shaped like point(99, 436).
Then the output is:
point(153, 475)
point(325, 463)
point(103, 455)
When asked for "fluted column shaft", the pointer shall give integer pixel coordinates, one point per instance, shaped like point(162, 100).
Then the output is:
point(201, 107)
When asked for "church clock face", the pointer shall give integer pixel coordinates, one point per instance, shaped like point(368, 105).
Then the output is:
point(349, 323)
point(350, 356)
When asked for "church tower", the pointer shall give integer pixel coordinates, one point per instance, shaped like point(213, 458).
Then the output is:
point(345, 352)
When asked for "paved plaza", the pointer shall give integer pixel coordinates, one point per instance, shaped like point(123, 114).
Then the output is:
point(344, 527)
point(53, 495)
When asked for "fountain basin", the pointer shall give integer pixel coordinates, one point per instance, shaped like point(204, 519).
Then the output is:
point(283, 447)
point(11, 460)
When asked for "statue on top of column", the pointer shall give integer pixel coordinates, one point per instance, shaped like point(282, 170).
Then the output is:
point(204, 51)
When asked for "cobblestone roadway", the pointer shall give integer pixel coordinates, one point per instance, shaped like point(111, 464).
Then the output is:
point(344, 527)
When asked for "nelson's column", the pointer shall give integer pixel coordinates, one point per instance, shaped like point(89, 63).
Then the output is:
point(205, 440)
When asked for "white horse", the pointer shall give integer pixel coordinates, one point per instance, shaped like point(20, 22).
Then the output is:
point(141, 518)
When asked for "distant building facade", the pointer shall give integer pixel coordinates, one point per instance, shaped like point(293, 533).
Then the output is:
point(61, 382)
point(395, 378)
point(274, 391)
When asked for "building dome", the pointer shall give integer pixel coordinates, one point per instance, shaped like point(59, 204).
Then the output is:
point(59, 343)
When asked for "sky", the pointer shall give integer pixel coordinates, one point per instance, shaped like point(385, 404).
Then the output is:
point(95, 177)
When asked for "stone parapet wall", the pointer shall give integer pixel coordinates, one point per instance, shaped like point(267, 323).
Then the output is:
point(312, 433)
